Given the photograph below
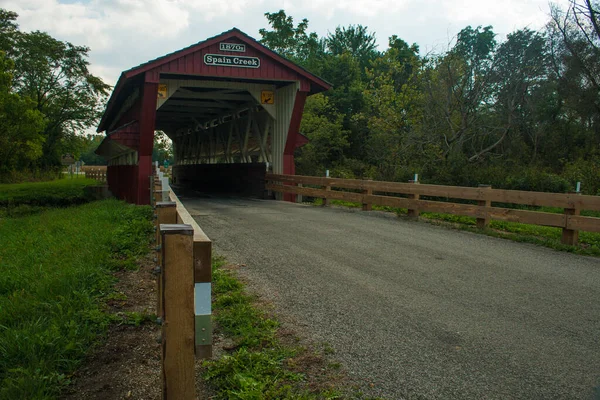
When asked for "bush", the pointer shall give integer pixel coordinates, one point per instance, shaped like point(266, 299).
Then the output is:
point(35, 175)
point(502, 177)
point(587, 172)
point(57, 193)
point(538, 181)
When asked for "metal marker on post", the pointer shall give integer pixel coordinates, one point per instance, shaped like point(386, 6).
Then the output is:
point(327, 188)
point(414, 212)
point(578, 190)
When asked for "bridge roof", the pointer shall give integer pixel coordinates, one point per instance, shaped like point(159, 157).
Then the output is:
point(189, 62)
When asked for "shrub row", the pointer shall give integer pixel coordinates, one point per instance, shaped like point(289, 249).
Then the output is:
point(58, 193)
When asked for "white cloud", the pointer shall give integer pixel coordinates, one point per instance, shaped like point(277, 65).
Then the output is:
point(208, 10)
point(505, 15)
point(100, 24)
point(354, 7)
point(125, 33)
point(160, 18)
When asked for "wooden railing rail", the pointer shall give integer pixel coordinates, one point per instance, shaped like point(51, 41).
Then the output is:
point(202, 250)
point(378, 193)
point(184, 272)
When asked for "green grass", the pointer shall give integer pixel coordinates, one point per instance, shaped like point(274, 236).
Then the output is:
point(260, 367)
point(23, 198)
point(56, 272)
point(589, 242)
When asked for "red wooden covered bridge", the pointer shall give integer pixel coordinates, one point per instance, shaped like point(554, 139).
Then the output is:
point(231, 106)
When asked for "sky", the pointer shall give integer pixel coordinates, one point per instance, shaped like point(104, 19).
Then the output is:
point(126, 33)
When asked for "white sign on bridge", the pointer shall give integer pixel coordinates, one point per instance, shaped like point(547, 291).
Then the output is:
point(221, 60)
point(232, 47)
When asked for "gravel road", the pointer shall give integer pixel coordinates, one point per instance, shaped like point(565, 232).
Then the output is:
point(416, 311)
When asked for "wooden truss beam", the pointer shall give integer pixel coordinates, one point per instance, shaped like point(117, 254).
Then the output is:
point(242, 139)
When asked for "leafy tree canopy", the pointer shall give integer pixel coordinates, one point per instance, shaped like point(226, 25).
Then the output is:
point(53, 78)
point(515, 112)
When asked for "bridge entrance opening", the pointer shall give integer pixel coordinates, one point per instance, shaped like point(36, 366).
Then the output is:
point(231, 106)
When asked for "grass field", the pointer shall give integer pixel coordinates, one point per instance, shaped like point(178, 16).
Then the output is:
point(56, 270)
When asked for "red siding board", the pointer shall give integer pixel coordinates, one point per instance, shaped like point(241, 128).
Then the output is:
point(193, 63)
point(133, 114)
point(147, 124)
point(121, 179)
point(128, 136)
point(189, 64)
point(197, 62)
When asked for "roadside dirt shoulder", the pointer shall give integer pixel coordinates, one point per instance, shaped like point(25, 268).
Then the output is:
point(127, 364)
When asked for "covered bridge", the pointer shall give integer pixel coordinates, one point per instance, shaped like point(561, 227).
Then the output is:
point(231, 106)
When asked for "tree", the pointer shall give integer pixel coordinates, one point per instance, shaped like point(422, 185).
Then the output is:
point(398, 62)
point(456, 106)
point(392, 111)
point(55, 75)
point(88, 145)
point(9, 31)
point(356, 40)
point(20, 124)
point(575, 41)
point(289, 41)
point(162, 149)
point(328, 140)
point(523, 98)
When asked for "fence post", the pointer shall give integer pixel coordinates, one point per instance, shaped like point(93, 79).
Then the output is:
point(486, 202)
point(166, 213)
point(367, 206)
point(158, 195)
point(325, 199)
point(177, 278)
point(569, 236)
point(328, 188)
point(151, 181)
point(413, 212)
point(299, 196)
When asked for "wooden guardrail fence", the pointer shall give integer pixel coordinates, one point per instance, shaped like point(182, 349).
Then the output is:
point(167, 171)
point(184, 272)
point(377, 193)
point(95, 172)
